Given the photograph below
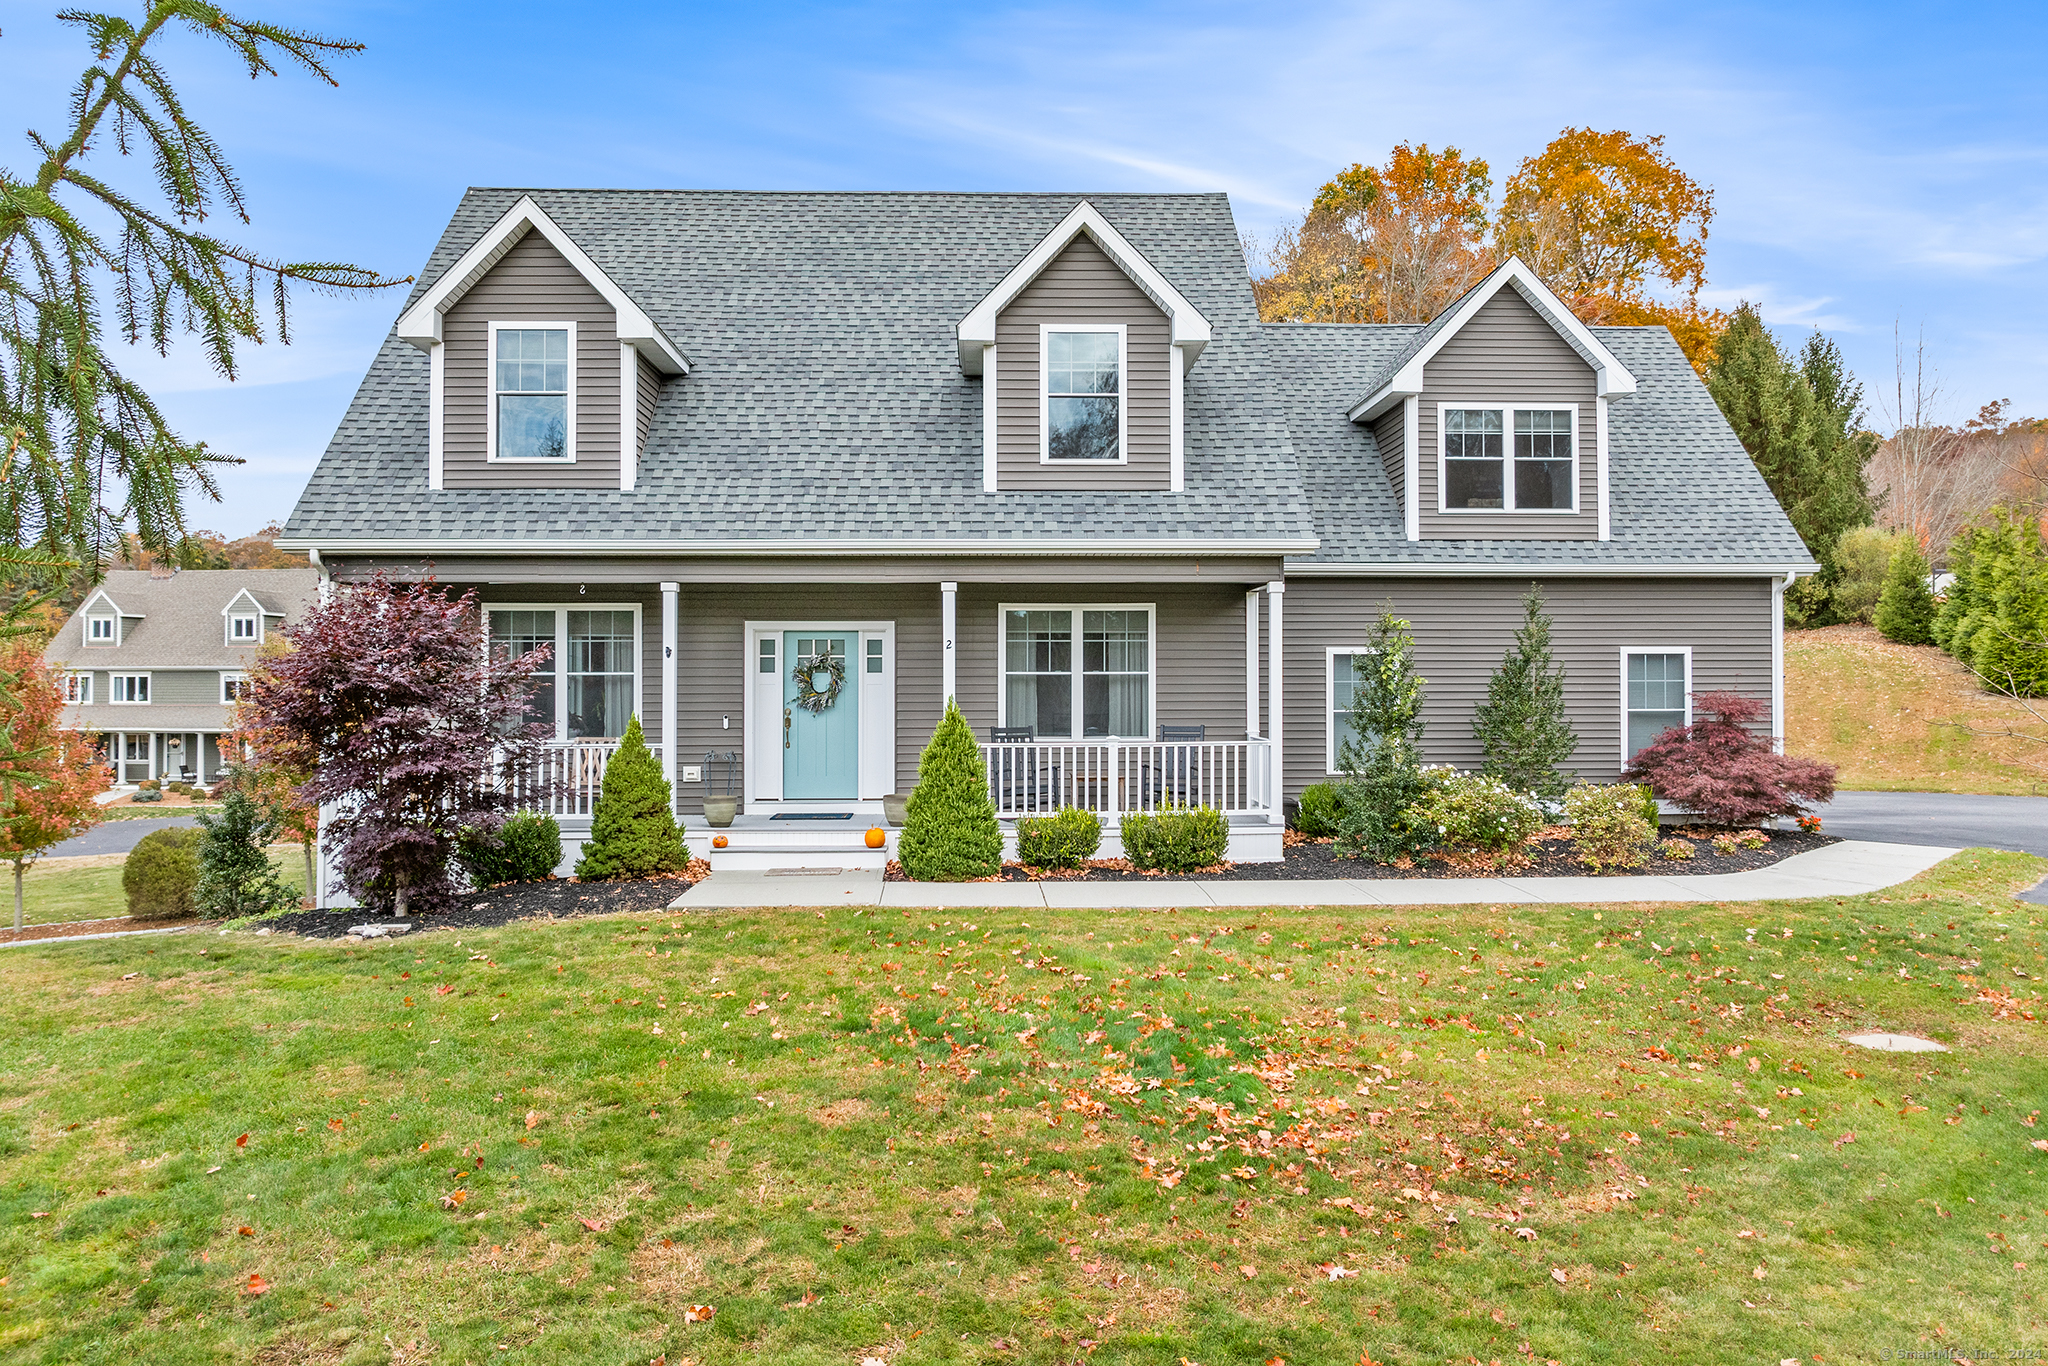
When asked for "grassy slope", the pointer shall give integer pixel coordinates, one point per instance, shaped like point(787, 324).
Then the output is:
point(1873, 709)
point(928, 1139)
point(75, 889)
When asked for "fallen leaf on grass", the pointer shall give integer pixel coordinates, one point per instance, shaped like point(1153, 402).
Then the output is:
point(39, 1214)
point(211, 1170)
point(256, 1285)
point(242, 1142)
point(698, 1313)
point(598, 1226)
point(1558, 1274)
point(1760, 1272)
point(2041, 1143)
point(246, 1231)
point(454, 1199)
point(533, 1119)
point(335, 1125)
point(1849, 1137)
point(1528, 1234)
point(1335, 1272)
point(1250, 1273)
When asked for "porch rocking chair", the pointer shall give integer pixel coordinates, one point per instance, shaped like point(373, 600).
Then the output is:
point(1171, 779)
point(1013, 769)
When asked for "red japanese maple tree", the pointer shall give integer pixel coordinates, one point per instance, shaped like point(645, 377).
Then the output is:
point(1726, 773)
point(406, 728)
point(48, 796)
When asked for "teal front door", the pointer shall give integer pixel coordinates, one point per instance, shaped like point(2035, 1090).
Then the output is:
point(820, 743)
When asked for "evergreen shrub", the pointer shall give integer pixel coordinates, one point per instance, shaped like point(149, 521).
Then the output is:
point(236, 876)
point(633, 828)
point(1608, 829)
point(1864, 556)
point(161, 875)
point(949, 828)
point(1176, 839)
point(1521, 726)
point(1066, 839)
point(1382, 758)
point(1320, 812)
point(1905, 609)
point(1471, 810)
point(525, 847)
point(147, 794)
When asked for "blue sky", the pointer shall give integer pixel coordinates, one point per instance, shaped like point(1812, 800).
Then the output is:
point(1872, 164)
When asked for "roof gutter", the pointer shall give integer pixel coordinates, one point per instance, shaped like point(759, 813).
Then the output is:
point(1038, 546)
point(1414, 569)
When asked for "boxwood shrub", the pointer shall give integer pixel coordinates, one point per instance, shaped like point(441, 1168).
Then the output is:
point(162, 874)
point(525, 847)
point(1177, 839)
point(1319, 812)
point(1066, 839)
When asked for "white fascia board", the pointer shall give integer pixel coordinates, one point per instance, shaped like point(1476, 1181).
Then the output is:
point(1502, 570)
point(1610, 375)
point(1124, 547)
point(421, 324)
point(978, 328)
point(103, 596)
point(261, 610)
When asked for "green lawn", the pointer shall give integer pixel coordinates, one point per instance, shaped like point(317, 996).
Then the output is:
point(1149, 1136)
point(61, 891)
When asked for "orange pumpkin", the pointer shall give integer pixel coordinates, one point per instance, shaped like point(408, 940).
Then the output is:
point(877, 837)
point(718, 841)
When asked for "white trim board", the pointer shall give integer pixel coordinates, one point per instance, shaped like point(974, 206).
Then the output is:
point(1035, 547)
point(492, 394)
point(1330, 702)
point(977, 331)
point(761, 777)
point(1412, 569)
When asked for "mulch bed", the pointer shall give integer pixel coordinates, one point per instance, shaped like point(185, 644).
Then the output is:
point(1552, 857)
point(554, 899)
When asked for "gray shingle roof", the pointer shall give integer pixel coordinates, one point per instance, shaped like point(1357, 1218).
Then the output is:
point(181, 626)
point(826, 400)
point(1681, 489)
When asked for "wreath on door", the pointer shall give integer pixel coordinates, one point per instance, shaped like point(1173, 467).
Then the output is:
point(809, 695)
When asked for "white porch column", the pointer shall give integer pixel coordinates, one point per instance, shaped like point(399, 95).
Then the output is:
point(1778, 587)
point(1276, 702)
point(1251, 665)
point(949, 605)
point(669, 747)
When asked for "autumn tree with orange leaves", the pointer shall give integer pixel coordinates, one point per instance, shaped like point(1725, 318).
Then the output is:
point(47, 797)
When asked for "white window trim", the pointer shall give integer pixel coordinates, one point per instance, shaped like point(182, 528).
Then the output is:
point(1123, 391)
point(761, 710)
point(491, 455)
point(114, 697)
point(561, 653)
point(77, 688)
point(93, 620)
point(228, 676)
point(1628, 650)
point(1331, 743)
point(256, 639)
point(1507, 420)
point(1151, 611)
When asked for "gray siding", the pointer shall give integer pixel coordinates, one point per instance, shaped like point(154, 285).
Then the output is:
point(1463, 626)
point(1391, 432)
point(533, 282)
point(1082, 285)
point(647, 392)
point(1507, 353)
point(184, 685)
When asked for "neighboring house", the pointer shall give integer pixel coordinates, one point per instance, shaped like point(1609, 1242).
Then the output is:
point(1039, 453)
point(152, 661)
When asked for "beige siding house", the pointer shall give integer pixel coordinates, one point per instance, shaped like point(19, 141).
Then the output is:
point(782, 472)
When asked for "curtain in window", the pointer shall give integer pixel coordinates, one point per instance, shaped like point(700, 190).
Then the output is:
point(1656, 697)
point(1116, 674)
point(518, 633)
point(599, 669)
point(1038, 672)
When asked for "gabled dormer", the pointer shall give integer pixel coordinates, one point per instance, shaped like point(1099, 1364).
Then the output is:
point(1492, 422)
point(243, 621)
point(1083, 349)
point(102, 622)
point(544, 372)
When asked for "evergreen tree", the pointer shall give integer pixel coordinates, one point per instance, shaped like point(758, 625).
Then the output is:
point(1905, 610)
point(1801, 424)
point(949, 830)
point(633, 830)
point(1382, 757)
point(235, 873)
point(1521, 725)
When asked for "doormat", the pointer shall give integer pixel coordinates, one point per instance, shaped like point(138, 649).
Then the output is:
point(813, 816)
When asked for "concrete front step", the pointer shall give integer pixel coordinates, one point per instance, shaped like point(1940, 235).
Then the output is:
point(795, 844)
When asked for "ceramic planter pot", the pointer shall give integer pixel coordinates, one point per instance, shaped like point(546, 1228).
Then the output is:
point(719, 811)
point(896, 807)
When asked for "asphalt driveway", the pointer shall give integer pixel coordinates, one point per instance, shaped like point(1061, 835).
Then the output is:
point(117, 837)
point(1961, 819)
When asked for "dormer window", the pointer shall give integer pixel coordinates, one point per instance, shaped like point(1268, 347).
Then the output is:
point(245, 628)
point(101, 630)
point(532, 378)
point(1482, 472)
point(1084, 368)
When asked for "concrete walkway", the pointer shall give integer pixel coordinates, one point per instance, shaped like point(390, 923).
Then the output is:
point(1850, 868)
point(1952, 818)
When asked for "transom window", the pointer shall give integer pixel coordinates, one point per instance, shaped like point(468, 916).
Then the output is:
point(1482, 472)
point(1656, 688)
point(130, 687)
point(245, 628)
point(77, 689)
point(1110, 692)
point(1084, 393)
point(587, 685)
point(100, 630)
point(530, 380)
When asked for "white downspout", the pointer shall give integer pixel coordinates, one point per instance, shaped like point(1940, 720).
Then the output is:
point(669, 747)
point(1275, 702)
point(1778, 587)
point(949, 604)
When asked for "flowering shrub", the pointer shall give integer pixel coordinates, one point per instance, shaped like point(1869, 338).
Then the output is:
point(1810, 823)
point(1676, 850)
point(1731, 776)
point(1609, 829)
point(1472, 810)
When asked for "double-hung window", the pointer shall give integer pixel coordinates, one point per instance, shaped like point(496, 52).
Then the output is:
point(532, 391)
point(1347, 675)
point(1084, 414)
point(102, 630)
point(233, 688)
point(1656, 687)
point(1085, 665)
point(130, 687)
point(1485, 471)
point(587, 685)
point(77, 689)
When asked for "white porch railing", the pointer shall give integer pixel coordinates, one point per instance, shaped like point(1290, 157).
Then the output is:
point(1109, 777)
point(567, 777)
